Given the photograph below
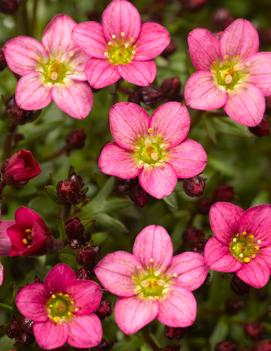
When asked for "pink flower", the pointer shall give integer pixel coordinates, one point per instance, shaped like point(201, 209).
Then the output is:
point(62, 309)
point(154, 149)
point(121, 47)
point(241, 242)
point(151, 283)
point(52, 70)
point(230, 72)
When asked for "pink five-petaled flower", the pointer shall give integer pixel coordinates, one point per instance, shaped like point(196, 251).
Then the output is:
point(154, 149)
point(51, 70)
point(62, 309)
point(151, 283)
point(241, 242)
point(231, 73)
point(122, 47)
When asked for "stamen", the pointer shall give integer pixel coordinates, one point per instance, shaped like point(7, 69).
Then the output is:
point(228, 79)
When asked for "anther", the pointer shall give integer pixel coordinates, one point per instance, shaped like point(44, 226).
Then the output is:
point(228, 79)
point(151, 260)
point(122, 34)
point(246, 259)
point(54, 76)
point(113, 36)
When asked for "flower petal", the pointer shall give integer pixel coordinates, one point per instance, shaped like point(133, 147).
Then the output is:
point(133, 314)
point(239, 39)
point(50, 335)
point(90, 38)
point(218, 257)
point(172, 121)
point(224, 220)
point(86, 294)
point(159, 182)
point(115, 272)
point(100, 73)
point(140, 73)
point(31, 302)
point(31, 94)
point(204, 48)
point(117, 162)
point(153, 247)
point(256, 273)
point(120, 16)
point(246, 106)
point(22, 54)
point(257, 221)
point(5, 243)
point(128, 122)
point(1, 274)
point(79, 61)
point(76, 99)
point(59, 278)
point(188, 159)
point(27, 216)
point(57, 36)
point(85, 331)
point(202, 94)
point(260, 71)
point(152, 41)
point(190, 269)
point(178, 309)
point(265, 254)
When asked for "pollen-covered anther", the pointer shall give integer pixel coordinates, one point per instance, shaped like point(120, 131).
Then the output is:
point(228, 79)
point(150, 150)
point(54, 75)
point(120, 50)
point(244, 247)
point(60, 307)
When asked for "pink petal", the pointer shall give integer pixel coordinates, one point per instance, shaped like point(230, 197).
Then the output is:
point(188, 159)
point(257, 221)
point(204, 48)
point(120, 16)
point(79, 62)
point(117, 162)
point(218, 257)
point(246, 106)
point(172, 121)
point(256, 273)
point(50, 335)
point(224, 220)
point(86, 294)
point(260, 71)
point(239, 39)
point(57, 36)
point(75, 100)
point(59, 278)
point(100, 73)
point(90, 38)
point(115, 272)
point(128, 122)
point(153, 247)
point(31, 302)
point(202, 94)
point(133, 314)
point(5, 243)
point(190, 268)
point(85, 331)
point(178, 309)
point(27, 216)
point(139, 73)
point(1, 274)
point(31, 94)
point(22, 54)
point(152, 41)
point(265, 254)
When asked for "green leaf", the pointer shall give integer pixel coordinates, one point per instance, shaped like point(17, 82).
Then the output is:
point(220, 332)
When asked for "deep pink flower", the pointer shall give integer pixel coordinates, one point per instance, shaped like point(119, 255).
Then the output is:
point(154, 149)
point(62, 309)
point(151, 283)
point(121, 47)
point(230, 72)
point(52, 70)
point(241, 242)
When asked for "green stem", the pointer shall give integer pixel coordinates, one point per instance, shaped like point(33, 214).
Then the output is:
point(6, 308)
point(149, 341)
point(34, 16)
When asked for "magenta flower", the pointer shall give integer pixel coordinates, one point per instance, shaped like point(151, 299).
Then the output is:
point(230, 73)
point(241, 242)
point(154, 149)
point(151, 283)
point(52, 70)
point(121, 47)
point(62, 309)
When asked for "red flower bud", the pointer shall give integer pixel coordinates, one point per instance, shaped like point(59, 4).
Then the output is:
point(105, 309)
point(194, 239)
point(254, 330)
point(222, 18)
point(234, 305)
point(87, 256)
point(264, 346)
point(76, 139)
point(193, 5)
point(194, 186)
point(9, 6)
point(204, 206)
point(18, 116)
point(262, 129)
point(173, 333)
point(226, 346)
point(137, 194)
point(224, 192)
point(171, 88)
point(70, 191)
point(74, 228)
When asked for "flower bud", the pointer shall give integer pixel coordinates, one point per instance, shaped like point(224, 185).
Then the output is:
point(204, 206)
point(3, 62)
point(105, 309)
point(194, 186)
point(18, 116)
point(137, 194)
point(238, 286)
point(222, 18)
point(169, 50)
point(224, 192)
point(70, 191)
point(25, 339)
point(26, 324)
point(262, 129)
point(193, 238)
point(74, 228)
point(87, 256)
point(171, 88)
point(263, 346)
point(254, 330)
point(84, 273)
point(226, 346)
point(13, 330)
point(9, 7)
point(151, 95)
point(104, 345)
point(175, 333)
point(193, 5)
point(135, 96)
point(234, 305)
point(76, 139)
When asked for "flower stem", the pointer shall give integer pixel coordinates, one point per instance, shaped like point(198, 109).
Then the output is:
point(6, 307)
point(149, 340)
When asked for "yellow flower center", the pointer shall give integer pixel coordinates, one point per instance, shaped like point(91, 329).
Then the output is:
point(60, 307)
point(120, 51)
point(27, 240)
point(244, 247)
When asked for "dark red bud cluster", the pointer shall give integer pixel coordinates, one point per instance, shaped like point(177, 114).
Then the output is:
point(193, 238)
point(194, 187)
point(76, 139)
point(105, 309)
point(18, 116)
point(133, 189)
point(254, 330)
point(175, 333)
point(193, 5)
point(87, 256)
point(71, 190)
point(21, 330)
point(222, 18)
point(226, 346)
point(234, 305)
point(9, 7)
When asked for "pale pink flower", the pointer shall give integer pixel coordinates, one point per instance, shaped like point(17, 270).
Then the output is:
point(52, 70)
point(121, 47)
point(155, 149)
point(151, 283)
point(230, 72)
point(62, 309)
point(241, 242)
